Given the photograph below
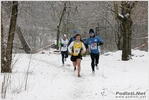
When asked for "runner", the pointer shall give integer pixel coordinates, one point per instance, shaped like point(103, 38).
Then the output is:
point(75, 32)
point(76, 48)
point(94, 43)
point(63, 49)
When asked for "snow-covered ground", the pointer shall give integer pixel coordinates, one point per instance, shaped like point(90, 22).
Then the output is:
point(48, 79)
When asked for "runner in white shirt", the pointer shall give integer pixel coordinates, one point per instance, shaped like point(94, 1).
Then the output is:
point(63, 49)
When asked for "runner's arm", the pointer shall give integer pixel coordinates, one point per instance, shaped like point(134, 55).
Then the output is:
point(86, 43)
point(83, 47)
point(100, 41)
point(69, 41)
point(70, 47)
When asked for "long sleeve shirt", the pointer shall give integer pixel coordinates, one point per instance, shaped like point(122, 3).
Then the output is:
point(71, 45)
point(93, 44)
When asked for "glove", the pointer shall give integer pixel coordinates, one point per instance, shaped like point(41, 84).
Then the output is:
point(101, 43)
point(62, 45)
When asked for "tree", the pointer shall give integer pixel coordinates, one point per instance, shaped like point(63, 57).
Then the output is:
point(126, 25)
point(23, 41)
point(40, 22)
point(59, 24)
point(7, 66)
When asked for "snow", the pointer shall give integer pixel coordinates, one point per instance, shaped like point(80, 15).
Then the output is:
point(127, 15)
point(120, 15)
point(48, 79)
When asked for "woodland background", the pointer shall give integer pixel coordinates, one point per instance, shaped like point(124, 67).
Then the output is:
point(39, 22)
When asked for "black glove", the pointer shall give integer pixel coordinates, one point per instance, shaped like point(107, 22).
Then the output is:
point(101, 43)
point(62, 45)
point(86, 46)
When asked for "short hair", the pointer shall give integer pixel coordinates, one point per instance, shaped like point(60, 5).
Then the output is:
point(78, 35)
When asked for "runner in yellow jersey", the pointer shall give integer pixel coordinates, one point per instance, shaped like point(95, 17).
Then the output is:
point(76, 48)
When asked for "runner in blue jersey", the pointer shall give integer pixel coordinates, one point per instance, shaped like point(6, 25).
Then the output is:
point(93, 45)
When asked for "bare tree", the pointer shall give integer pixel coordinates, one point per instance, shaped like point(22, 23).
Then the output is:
point(23, 41)
point(43, 23)
point(126, 25)
point(59, 24)
point(7, 66)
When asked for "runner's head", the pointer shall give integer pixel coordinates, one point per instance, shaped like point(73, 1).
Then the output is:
point(64, 36)
point(91, 32)
point(75, 32)
point(78, 37)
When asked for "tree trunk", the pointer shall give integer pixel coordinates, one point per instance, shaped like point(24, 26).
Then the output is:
point(126, 26)
point(12, 27)
point(3, 62)
point(58, 27)
point(130, 37)
point(125, 32)
point(125, 41)
point(57, 40)
point(23, 41)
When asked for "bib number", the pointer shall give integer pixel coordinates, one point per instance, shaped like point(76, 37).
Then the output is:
point(76, 51)
point(65, 44)
point(93, 47)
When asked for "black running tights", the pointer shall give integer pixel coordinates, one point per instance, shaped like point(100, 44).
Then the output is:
point(95, 60)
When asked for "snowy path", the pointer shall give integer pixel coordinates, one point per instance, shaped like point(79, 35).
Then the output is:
point(49, 80)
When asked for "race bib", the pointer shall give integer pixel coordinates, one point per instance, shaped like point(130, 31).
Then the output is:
point(65, 44)
point(76, 51)
point(93, 47)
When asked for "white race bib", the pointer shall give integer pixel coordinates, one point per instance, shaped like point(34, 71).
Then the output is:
point(65, 44)
point(76, 50)
point(93, 47)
